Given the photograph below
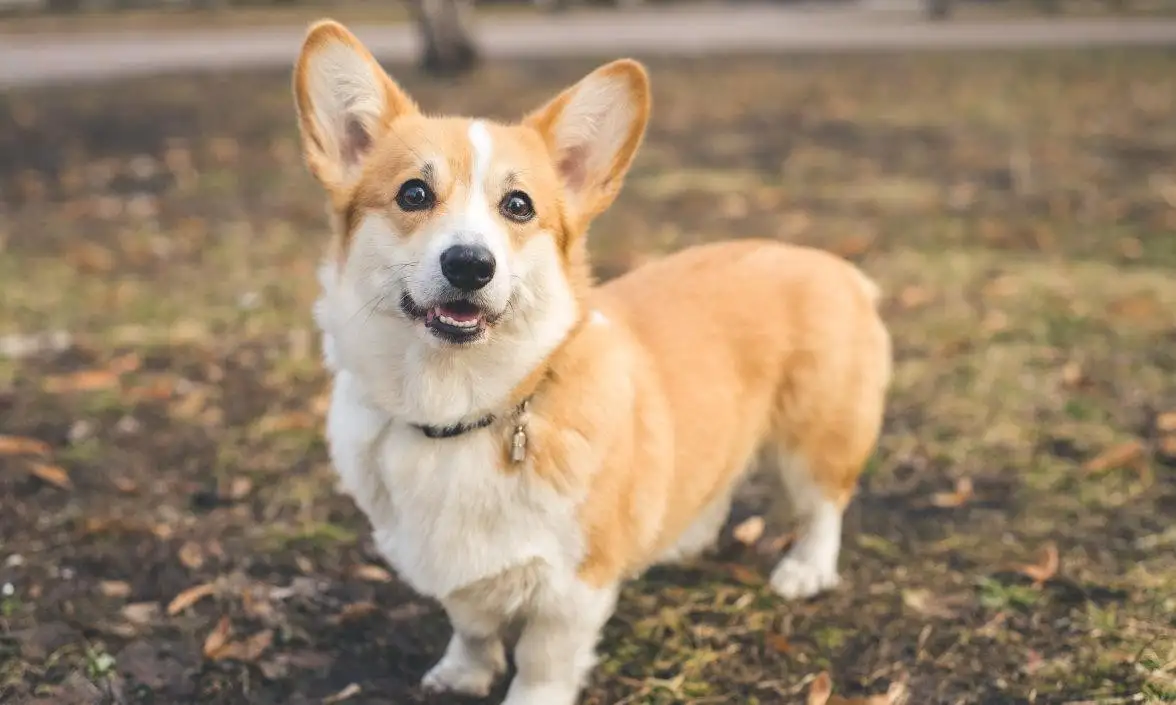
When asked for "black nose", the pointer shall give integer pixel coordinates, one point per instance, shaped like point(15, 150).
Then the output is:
point(468, 267)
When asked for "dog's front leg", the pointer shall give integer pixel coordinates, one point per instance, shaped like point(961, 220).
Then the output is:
point(475, 656)
point(558, 643)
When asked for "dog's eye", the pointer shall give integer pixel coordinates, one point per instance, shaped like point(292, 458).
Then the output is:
point(415, 195)
point(517, 206)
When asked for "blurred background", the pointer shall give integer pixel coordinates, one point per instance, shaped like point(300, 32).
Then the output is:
point(169, 531)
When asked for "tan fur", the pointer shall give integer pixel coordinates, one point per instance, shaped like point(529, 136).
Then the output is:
point(714, 352)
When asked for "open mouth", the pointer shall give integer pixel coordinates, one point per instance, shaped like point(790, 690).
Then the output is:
point(457, 321)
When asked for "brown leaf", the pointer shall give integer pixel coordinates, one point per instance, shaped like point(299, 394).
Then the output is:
point(248, 650)
point(372, 573)
point(21, 445)
point(820, 690)
point(125, 363)
point(1166, 422)
point(53, 474)
point(114, 588)
point(346, 694)
point(745, 575)
point(821, 693)
point(1168, 446)
point(83, 381)
point(1137, 308)
point(1072, 374)
point(140, 612)
point(189, 597)
point(913, 296)
point(749, 530)
point(1121, 456)
point(191, 555)
point(124, 484)
point(780, 644)
point(853, 246)
point(218, 638)
point(962, 495)
point(239, 488)
point(354, 611)
point(1044, 569)
point(292, 421)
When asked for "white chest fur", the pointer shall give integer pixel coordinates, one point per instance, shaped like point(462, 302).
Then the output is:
point(444, 514)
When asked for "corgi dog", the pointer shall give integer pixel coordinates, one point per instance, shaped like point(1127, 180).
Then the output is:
point(522, 440)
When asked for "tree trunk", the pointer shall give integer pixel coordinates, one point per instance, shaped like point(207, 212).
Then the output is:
point(445, 35)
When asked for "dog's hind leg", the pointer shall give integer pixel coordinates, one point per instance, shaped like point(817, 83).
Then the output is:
point(810, 566)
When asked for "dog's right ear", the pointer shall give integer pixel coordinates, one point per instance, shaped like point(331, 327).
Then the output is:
point(345, 102)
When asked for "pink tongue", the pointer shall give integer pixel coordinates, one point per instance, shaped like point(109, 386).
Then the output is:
point(459, 316)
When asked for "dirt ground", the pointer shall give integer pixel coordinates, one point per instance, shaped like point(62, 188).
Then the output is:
point(169, 531)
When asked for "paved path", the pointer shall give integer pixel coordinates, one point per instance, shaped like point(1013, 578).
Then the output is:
point(720, 29)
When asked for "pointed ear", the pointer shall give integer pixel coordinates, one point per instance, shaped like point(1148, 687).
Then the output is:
point(345, 102)
point(593, 130)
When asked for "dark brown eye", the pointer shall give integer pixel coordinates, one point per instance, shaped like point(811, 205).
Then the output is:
point(415, 195)
point(517, 206)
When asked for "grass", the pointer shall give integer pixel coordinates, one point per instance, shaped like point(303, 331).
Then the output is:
point(1017, 209)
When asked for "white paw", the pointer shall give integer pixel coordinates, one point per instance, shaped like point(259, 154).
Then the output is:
point(797, 578)
point(547, 694)
point(460, 676)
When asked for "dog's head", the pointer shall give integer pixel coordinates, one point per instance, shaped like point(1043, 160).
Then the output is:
point(462, 228)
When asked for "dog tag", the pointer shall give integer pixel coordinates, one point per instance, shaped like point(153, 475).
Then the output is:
point(518, 445)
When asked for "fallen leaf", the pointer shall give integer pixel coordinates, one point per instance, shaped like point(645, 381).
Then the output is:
point(248, 650)
point(189, 597)
point(1120, 456)
point(853, 246)
point(1137, 308)
point(124, 484)
point(191, 555)
point(140, 612)
point(820, 690)
point(913, 296)
point(1033, 662)
point(217, 638)
point(372, 573)
point(1043, 570)
point(820, 693)
point(114, 588)
point(1072, 374)
point(928, 604)
point(962, 495)
point(292, 421)
point(84, 381)
point(1166, 422)
point(346, 694)
point(779, 643)
point(239, 488)
point(354, 611)
point(749, 531)
point(53, 474)
point(1168, 446)
point(21, 445)
point(746, 575)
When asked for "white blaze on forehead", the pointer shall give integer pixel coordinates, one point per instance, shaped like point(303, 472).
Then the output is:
point(479, 217)
point(483, 150)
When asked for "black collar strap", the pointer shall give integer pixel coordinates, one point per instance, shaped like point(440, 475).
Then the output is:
point(456, 429)
point(460, 428)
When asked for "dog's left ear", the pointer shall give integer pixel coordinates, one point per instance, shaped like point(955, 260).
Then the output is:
point(345, 102)
point(593, 130)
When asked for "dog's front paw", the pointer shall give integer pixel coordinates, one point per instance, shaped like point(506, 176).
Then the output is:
point(454, 675)
point(797, 578)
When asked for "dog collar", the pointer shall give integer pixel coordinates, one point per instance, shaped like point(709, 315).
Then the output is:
point(518, 441)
